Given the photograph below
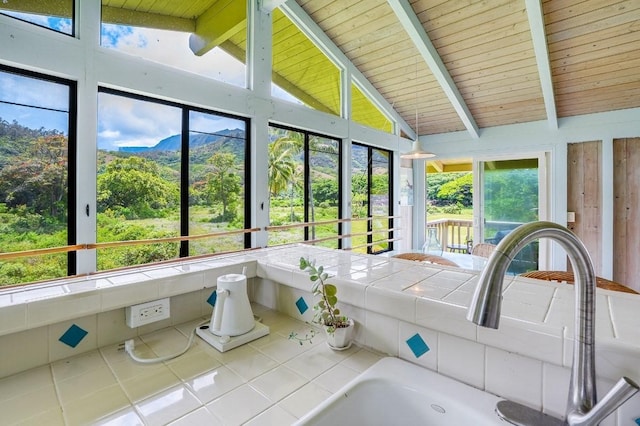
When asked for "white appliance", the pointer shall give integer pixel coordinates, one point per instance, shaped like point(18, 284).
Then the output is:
point(232, 323)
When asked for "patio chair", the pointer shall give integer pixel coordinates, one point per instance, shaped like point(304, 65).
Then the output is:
point(483, 249)
point(564, 276)
point(428, 258)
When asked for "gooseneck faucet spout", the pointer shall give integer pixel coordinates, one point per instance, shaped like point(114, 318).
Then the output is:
point(582, 406)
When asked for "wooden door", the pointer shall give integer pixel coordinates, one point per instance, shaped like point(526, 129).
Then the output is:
point(626, 212)
point(584, 195)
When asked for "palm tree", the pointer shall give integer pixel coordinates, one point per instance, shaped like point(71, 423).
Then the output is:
point(283, 174)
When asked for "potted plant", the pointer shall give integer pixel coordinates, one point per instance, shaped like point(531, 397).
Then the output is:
point(338, 327)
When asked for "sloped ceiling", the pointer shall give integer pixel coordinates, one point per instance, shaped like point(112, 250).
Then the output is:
point(469, 65)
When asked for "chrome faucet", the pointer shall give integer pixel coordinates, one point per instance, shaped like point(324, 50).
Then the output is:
point(583, 408)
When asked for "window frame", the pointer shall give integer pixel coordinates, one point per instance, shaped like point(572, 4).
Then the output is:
point(307, 176)
point(390, 234)
point(71, 155)
point(183, 249)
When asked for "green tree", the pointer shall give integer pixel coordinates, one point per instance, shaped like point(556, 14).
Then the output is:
point(224, 184)
point(133, 186)
point(458, 191)
point(38, 178)
point(326, 191)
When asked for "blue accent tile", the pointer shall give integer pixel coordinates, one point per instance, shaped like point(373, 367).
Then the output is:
point(417, 345)
point(638, 421)
point(302, 305)
point(212, 299)
point(73, 336)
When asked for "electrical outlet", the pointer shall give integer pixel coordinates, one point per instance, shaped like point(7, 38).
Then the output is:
point(146, 313)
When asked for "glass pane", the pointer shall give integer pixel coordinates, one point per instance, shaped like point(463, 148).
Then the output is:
point(324, 195)
point(196, 37)
point(56, 15)
point(380, 200)
point(216, 181)
point(301, 69)
point(138, 182)
point(286, 184)
point(34, 144)
point(359, 197)
point(510, 190)
point(365, 112)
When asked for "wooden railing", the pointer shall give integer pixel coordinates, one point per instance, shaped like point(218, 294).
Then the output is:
point(457, 234)
point(453, 234)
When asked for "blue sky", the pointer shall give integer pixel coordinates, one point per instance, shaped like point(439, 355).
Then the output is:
point(122, 121)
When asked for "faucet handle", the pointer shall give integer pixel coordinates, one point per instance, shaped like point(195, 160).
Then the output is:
point(624, 389)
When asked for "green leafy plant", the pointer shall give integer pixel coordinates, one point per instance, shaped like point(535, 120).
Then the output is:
point(326, 312)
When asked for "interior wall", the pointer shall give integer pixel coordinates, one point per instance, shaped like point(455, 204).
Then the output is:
point(626, 212)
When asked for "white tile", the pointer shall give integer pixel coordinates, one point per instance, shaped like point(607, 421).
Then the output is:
point(629, 412)
point(278, 383)
point(310, 364)
point(239, 405)
point(349, 291)
point(362, 359)
point(251, 365)
point(283, 349)
point(128, 417)
point(514, 377)
point(381, 333)
point(461, 359)
point(59, 350)
point(33, 403)
point(445, 317)
point(127, 295)
point(199, 417)
point(112, 328)
point(23, 383)
point(171, 286)
point(430, 338)
point(305, 399)
point(536, 340)
point(271, 417)
point(96, 405)
point(394, 304)
point(167, 406)
point(54, 310)
point(624, 310)
point(213, 384)
point(336, 377)
point(264, 292)
point(615, 360)
point(555, 389)
point(13, 318)
point(428, 290)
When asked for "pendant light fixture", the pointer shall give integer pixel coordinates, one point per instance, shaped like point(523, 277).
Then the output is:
point(417, 152)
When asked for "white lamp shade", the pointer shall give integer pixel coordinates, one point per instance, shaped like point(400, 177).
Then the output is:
point(417, 152)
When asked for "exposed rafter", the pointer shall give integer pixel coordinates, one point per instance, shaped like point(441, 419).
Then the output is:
point(315, 33)
point(217, 24)
point(420, 38)
point(119, 16)
point(539, 38)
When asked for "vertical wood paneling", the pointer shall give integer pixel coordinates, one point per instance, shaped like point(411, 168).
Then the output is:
point(626, 212)
point(584, 195)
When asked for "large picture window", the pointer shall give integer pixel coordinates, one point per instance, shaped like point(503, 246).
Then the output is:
point(304, 177)
point(166, 170)
point(37, 174)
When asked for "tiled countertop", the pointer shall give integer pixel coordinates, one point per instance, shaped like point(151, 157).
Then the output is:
point(270, 381)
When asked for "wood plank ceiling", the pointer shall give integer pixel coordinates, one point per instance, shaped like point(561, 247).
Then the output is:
point(473, 64)
point(487, 48)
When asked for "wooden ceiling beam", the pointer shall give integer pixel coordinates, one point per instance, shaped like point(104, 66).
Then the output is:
point(119, 16)
point(539, 38)
point(421, 40)
point(217, 24)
